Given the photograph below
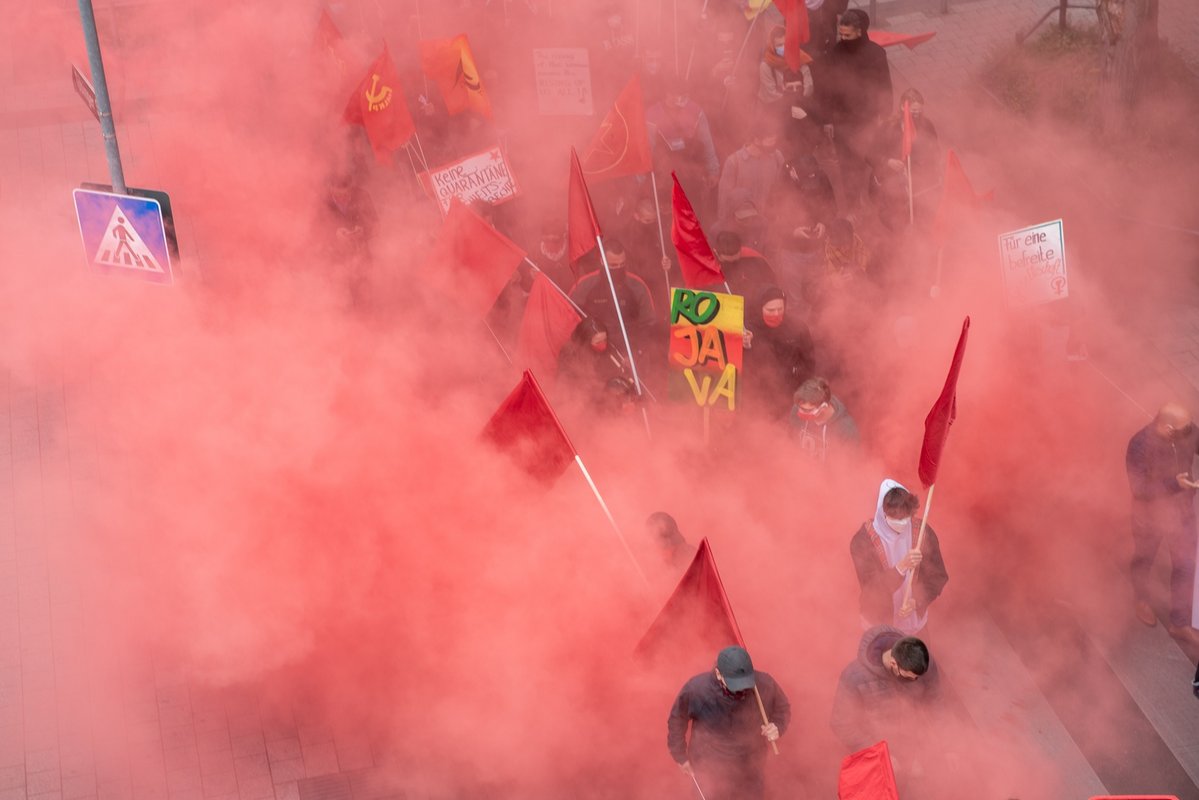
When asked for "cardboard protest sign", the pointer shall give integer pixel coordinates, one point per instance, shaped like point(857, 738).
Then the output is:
point(706, 329)
point(1034, 264)
point(482, 176)
point(563, 80)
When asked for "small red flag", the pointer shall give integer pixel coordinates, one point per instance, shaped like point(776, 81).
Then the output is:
point(582, 226)
point(621, 147)
point(909, 130)
point(696, 259)
point(868, 775)
point(697, 620)
point(482, 256)
point(378, 104)
point(525, 427)
point(908, 40)
point(798, 31)
point(451, 65)
point(548, 322)
point(942, 415)
point(958, 201)
point(329, 41)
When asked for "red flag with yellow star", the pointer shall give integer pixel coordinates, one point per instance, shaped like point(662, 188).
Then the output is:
point(378, 105)
point(451, 65)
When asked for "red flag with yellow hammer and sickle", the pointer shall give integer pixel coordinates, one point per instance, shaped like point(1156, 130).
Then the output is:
point(378, 105)
point(451, 65)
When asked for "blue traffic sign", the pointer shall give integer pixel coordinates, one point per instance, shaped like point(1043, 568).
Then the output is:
point(123, 235)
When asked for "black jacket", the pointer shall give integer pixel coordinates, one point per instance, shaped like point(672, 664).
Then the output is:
point(853, 83)
point(723, 728)
point(1153, 463)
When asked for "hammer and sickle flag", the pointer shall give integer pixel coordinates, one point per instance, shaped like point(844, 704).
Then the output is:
point(451, 65)
point(621, 147)
point(378, 105)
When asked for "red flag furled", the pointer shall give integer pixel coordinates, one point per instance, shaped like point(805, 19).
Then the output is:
point(868, 775)
point(908, 40)
point(582, 226)
point(483, 258)
point(942, 415)
point(795, 17)
point(909, 130)
point(451, 65)
point(525, 427)
point(697, 620)
point(378, 105)
point(547, 325)
point(958, 201)
point(696, 259)
point(621, 147)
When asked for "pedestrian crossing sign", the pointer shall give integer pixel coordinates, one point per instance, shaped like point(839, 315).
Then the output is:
point(123, 235)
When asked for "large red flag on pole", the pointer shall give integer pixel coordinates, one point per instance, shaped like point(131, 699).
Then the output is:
point(378, 105)
point(621, 147)
point(868, 775)
point(958, 200)
point(451, 65)
point(798, 31)
point(696, 259)
point(942, 415)
point(482, 256)
point(582, 226)
point(525, 427)
point(697, 620)
point(548, 322)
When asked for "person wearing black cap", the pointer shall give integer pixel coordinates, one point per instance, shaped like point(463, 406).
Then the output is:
point(726, 750)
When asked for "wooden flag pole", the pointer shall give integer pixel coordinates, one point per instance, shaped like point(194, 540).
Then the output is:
point(765, 719)
point(911, 199)
point(737, 61)
point(936, 290)
point(503, 349)
point(624, 543)
point(658, 210)
point(702, 796)
point(911, 579)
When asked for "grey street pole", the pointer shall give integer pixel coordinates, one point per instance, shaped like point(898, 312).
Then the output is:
point(103, 104)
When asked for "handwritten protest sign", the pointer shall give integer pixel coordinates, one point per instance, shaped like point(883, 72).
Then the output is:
point(705, 347)
point(1034, 264)
point(563, 80)
point(482, 176)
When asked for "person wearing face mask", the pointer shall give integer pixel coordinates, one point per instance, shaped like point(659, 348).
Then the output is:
point(889, 177)
point(551, 257)
point(1159, 462)
point(822, 25)
point(745, 269)
point(819, 421)
point(885, 559)
point(715, 731)
point(587, 362)
point(681, 142)
point(641, 239)
point(593, 294)
point(853, 91)
point(779, 355)
point(785, 94)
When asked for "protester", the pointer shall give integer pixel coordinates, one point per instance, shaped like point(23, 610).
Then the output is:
point(890, 692)
point(664, 536)
point(822, 25)
point(853, 89)
point(889, 168)
point(587, 361)
point(819, 421)
point(887, 562)
point(725, 748)
point(1159, 460)
point(755, 168)
point(352, 219)
point(745, 269)
point(779, 354)
point(681, 142)
point(552, 257)
point(593, 294)
point(847, 259)
point(785, 94)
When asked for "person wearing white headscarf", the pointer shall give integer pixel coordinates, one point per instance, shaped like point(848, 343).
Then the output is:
point(884, 558)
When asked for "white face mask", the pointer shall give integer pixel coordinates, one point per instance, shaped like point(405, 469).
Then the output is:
point(899, 525)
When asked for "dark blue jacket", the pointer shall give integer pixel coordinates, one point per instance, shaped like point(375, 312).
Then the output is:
point(723, 727)
point(1153, 463)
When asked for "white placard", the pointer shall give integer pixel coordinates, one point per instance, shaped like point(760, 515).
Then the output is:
point(483, 176)
point(1033, 261)
point(563, 80)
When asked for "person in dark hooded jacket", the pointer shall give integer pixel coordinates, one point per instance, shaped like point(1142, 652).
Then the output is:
point(779, 354)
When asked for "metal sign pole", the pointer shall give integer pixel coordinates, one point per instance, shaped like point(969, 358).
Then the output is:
point(103, 105)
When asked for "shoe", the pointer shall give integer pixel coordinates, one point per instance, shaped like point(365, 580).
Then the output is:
point(1145, 613)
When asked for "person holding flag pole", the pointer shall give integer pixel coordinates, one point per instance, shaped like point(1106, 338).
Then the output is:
point(936, 432)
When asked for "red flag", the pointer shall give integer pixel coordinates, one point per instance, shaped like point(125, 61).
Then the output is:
point(329, 41)
point(908, 40)
point(548, 322)
point(942, 415)
point(621, 147)
point(909, 130)
point(482, 256)
point(378, 105)
point(582, 226)
point(958, 201)
point(697, 620)
point(795, 17)
point(696, 259)
point(450, 63)
point(868, 775)
point(525, 427)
